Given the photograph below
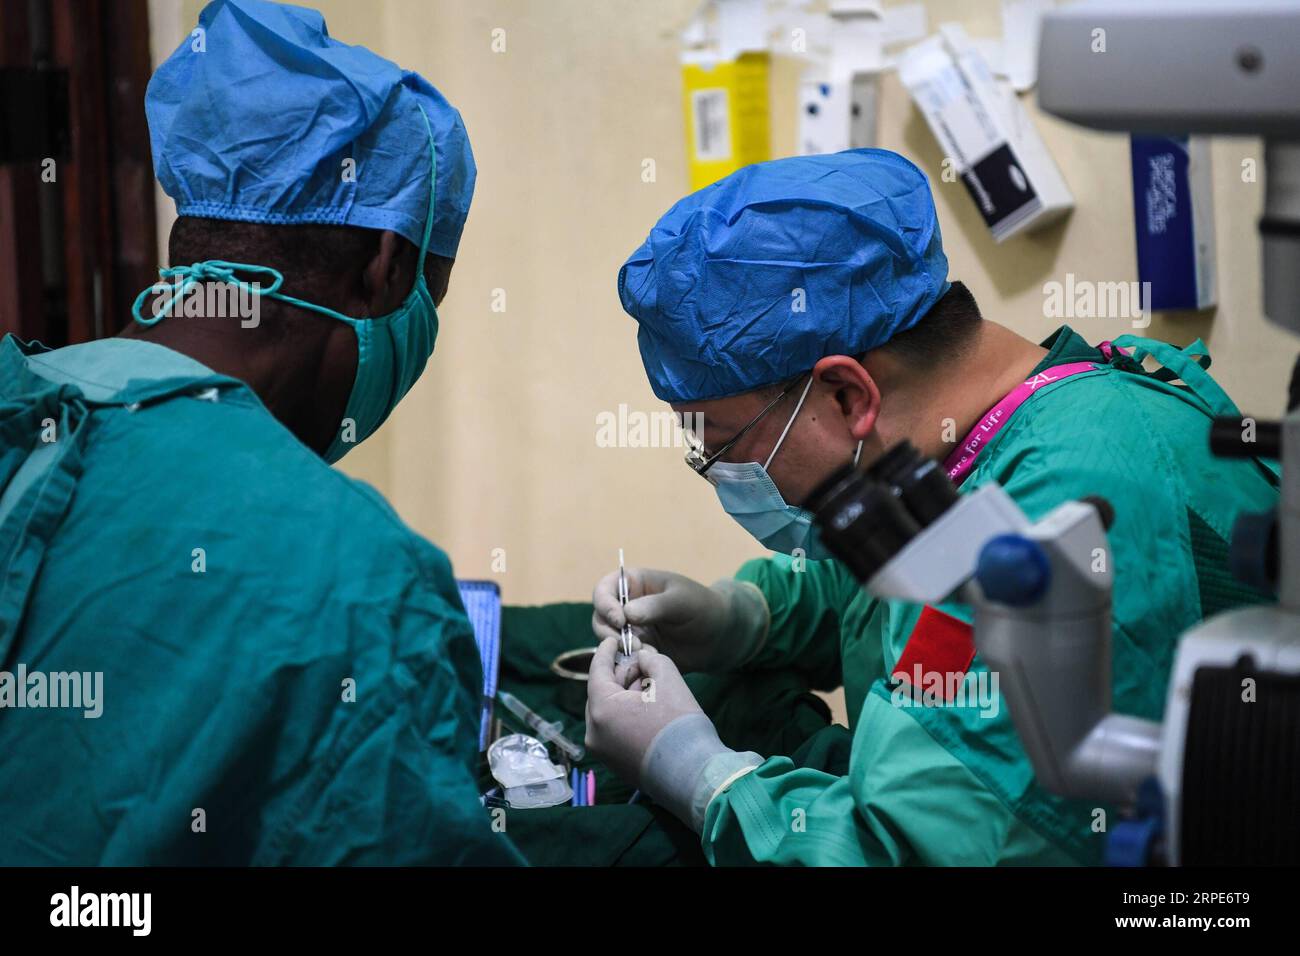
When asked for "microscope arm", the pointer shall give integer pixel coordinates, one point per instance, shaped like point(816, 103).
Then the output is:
point(1041, 593)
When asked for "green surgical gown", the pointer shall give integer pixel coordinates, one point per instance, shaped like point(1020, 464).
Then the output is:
point(288, 676)
point(945, 785)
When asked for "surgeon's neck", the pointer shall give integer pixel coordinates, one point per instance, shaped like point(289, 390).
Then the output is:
point(286, 373)
point(954, 400)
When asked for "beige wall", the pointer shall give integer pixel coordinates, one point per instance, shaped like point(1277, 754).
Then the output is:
point(496, 447)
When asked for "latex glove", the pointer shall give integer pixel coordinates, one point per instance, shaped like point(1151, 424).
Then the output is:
point(715, 628)
point(644, 723)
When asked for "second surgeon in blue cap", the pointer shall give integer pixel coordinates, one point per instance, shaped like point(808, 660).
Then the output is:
point(272, 668)
point(802, 308)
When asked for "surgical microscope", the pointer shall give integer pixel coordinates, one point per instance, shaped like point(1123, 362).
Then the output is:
point(1217, 780)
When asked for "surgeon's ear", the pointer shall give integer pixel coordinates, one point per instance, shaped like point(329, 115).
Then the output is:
point(384, 285)
point(855, 392)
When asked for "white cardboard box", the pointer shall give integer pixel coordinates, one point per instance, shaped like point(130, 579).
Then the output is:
point(985, 133)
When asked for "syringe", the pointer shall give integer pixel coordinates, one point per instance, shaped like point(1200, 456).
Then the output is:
point(547, 731)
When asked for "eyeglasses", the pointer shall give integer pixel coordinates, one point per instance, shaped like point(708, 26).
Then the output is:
point(698, 459)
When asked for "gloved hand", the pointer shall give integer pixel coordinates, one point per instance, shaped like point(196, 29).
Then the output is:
point(701, 628)
point(644, 723)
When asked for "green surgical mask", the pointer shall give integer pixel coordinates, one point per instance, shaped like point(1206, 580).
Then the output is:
point(392, 349)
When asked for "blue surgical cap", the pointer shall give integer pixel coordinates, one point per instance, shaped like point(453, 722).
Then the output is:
point(754, 279)
point(253, 117)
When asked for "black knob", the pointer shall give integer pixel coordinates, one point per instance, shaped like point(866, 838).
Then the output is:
point(1229, 439)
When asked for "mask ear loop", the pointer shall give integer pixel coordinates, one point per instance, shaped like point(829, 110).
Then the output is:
point(433, 192)
point(191, 276)
point(779, 441)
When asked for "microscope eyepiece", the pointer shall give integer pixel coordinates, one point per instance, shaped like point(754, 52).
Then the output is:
point(924, 489)
point(866, 517)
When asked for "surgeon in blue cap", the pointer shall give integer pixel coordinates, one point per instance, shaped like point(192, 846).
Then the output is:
point(270, 667)
point(802, 308)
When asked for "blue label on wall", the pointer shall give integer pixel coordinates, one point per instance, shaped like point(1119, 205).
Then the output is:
point(1162, 212)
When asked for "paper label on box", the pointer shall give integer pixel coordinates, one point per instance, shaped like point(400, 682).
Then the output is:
point(712, 124)
point(965, 129)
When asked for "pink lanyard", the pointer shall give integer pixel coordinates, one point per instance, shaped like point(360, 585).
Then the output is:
point(962, 460)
